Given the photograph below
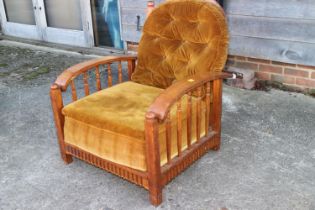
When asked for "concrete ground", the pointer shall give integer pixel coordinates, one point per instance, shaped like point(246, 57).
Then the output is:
point(267, 158)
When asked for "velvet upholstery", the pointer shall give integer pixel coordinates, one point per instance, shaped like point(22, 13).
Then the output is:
point(110, 124)
point(181, 38)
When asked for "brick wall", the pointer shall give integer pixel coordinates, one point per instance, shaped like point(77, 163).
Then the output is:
point(293, 75)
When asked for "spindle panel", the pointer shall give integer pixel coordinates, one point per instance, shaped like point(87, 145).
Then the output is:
point(86, 83)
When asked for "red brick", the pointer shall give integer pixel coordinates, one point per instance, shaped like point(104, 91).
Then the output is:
point(256, 60)
point(306, 67)
point(313, 75)
point(270, 68)
point(246, 65)
point(305, 82)
point(296, 72)
point(283, 64)
point(240, 58)
point(262, 75)
point(283, 79)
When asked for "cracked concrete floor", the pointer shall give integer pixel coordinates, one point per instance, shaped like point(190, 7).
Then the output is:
point(267, 158)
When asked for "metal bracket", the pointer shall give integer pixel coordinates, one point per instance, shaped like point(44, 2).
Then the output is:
point(138, 23)
point(235, 75)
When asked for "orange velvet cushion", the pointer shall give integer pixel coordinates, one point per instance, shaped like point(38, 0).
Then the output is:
point(110, 124)
point(181, 38)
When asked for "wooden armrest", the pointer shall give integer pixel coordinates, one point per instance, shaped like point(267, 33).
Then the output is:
point(65, 77)
point(162, 104)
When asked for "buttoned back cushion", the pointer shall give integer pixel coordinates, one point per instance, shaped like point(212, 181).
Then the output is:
point(181, 38)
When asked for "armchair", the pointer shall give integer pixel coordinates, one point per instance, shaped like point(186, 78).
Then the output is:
point(150, 128)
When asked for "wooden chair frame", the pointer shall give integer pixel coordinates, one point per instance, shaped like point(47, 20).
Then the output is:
point(208, 88)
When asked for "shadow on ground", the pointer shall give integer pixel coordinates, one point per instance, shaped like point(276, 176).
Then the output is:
point(266, 161)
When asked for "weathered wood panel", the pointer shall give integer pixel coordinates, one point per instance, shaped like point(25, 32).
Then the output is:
point(304, 9)
point(281, 30)
point(133, 4)
point(129, 16)
point(130, 33)
point(278, 50)
point(129, 11)
point(273, 28)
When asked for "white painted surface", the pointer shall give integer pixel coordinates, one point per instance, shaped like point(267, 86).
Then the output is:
point(40, 31)
point(46, 49)
point(18, 29)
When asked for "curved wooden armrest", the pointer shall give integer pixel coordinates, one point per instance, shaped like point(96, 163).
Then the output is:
point(162, 104)
point(65, 77)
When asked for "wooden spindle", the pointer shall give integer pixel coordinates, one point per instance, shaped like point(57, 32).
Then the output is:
point(86, 83)
point(131, 67)
point(179, 128)
point(73, 91)
point(217, 109)
point(168, 126)
point(208, 103)
point(120, 75)
point(98, 78)
point(211, 107)
point(198, 122)
point(217, 105)
point(189, 119)
point(109, 75)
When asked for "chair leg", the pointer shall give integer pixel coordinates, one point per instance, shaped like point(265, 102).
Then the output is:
point(153, 159)
point(155, 196)
point(57, 105)
point(66, 158)
point(217, 143)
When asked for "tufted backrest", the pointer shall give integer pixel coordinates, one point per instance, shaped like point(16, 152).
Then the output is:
point(181, 38)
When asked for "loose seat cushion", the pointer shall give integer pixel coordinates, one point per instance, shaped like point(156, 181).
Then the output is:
point(181, 38)
point(110, 124)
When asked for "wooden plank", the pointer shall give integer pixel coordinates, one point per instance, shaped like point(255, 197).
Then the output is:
point(289, 32)
point(95, 25)
point(129, 16)
point(137, 3)
point(273, 28)
point(87, 22)
point(130, 33)
point(133, 4)
point(277, 50)
point(270, 8)
point(129, 11)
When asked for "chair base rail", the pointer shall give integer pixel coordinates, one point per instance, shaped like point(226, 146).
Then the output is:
point(135, 176)
point(140, 178)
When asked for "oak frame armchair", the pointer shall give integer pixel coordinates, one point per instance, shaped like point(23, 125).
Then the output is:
point(200, 92)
